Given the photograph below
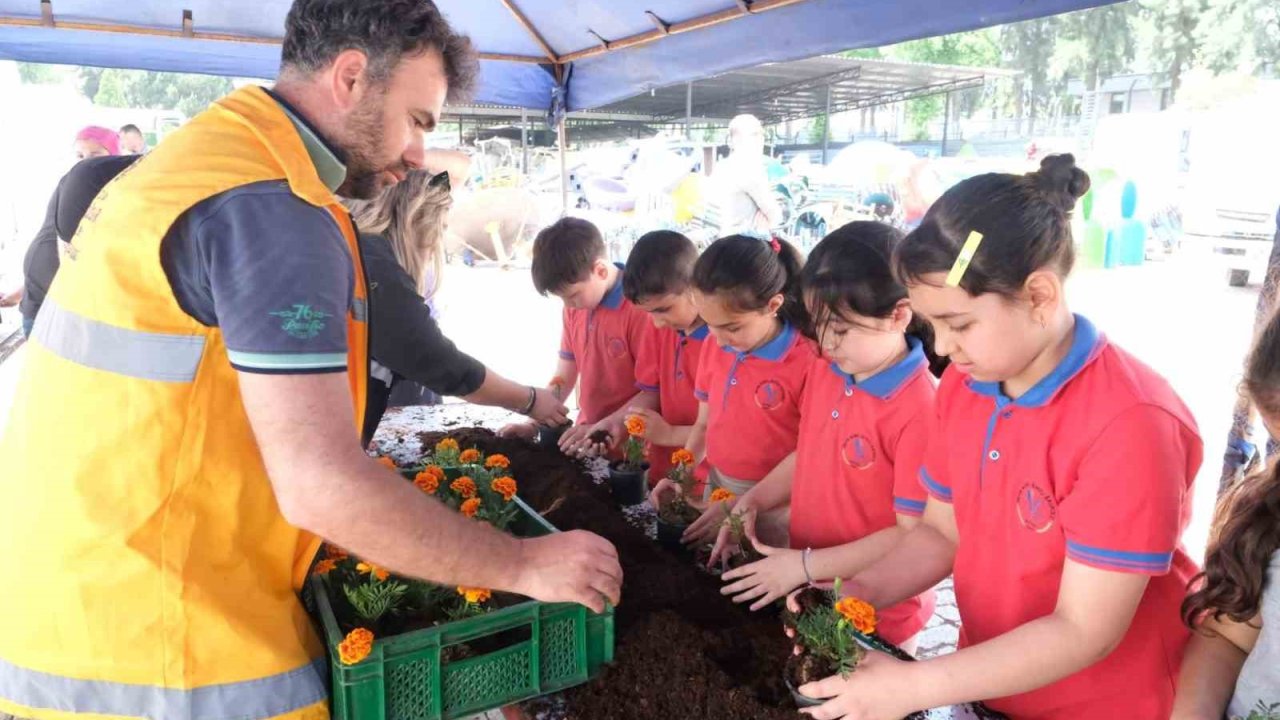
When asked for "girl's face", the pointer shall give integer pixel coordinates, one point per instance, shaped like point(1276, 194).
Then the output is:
point(741, 330)
point(989, 337)
point(859, 345)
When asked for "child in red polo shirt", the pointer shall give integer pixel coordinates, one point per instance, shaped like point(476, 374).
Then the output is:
point(659, 281)
point(854, 491)
point(751, 378)
point(1059, 470)
point(602, 331)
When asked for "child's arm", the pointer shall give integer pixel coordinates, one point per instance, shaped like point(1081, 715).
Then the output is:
point(920, 559)
point(1211, 666)
point(773, 491)
point(656, 428)
point(697, 442)
point(566, 377)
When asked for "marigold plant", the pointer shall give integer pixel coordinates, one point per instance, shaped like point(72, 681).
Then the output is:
point(720, 495)
point(504, 485)
point(447, 445)
point(497, 462)
point(859, 613)
point(681, 457)
point(336, 553)
point(365, 568)
point(325, 566)
point(470, 507)
point(464, 486)
point(470, 456)
point(428, 481)
point(356, 646)
point(474, 596)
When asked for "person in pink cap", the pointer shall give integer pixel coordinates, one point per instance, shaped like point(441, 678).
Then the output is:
point(96, 141)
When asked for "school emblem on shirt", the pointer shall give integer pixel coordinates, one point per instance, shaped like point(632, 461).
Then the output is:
point(617, 347)
point(1036, 510)
point(769, 394)
point(301, 321)
point(858, 452)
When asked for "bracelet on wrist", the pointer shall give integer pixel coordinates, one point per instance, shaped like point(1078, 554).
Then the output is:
point(804, 562)
point(533, 400)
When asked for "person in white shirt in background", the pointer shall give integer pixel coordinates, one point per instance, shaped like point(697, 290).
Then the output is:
point(740, 186)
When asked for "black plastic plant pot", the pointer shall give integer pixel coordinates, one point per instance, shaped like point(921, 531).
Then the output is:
point(549, 437)
point(669, 535)
point(628, 486)
point(803, 701)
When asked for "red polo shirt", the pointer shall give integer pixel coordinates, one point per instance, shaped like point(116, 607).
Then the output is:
point(1094, 463)
point(754, 402)
point(604, 342)
point(858, 463)
point(668, 365)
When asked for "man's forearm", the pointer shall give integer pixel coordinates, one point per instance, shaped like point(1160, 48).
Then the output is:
point(498, 391)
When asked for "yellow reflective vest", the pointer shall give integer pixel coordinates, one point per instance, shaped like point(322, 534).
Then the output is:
point(150, 571)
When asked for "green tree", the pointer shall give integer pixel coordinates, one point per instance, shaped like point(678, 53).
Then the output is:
point(186, 93)
point(1096, 44)
point(1176, 36)
point(1029, 47)
point(41, 74)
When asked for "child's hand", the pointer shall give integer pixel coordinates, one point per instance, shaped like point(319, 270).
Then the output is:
point(725, 542)
point(881, 689)
point(572, 438)
point(524, 430)
point(764, 581)
point(665, 486)
point(586, 447)
point(656, 430)
point(707, 527)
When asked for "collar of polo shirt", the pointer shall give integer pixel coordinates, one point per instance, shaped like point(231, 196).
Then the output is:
point(774, 350)
point(886, 382)
point(613, 298)
point(1085, 343)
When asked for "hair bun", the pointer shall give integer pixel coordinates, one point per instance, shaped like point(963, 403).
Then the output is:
point(1060, 179)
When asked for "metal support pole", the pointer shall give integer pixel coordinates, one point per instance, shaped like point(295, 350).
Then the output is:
point(946, 126)
point(826, 127)
point(459, 132)
point(524, 140)
point(688, 110)
point(564, 168)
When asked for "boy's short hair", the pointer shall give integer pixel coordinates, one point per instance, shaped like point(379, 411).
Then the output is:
point(661, 263)
point(564, 253)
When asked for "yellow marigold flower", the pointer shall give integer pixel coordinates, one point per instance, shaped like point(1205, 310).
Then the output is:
point(474, 596)
point(464, 486)
point(497, 461)
point(325, 566)
point(470, 456)
point(681, 457)
point(387, 462)
point(365, 568)
point(504, 485)
point(635, 425)
point(355, 647)
point(859, 613)
point(720, 494)
point(470, 507)
point(446, 445)
point(428, 482)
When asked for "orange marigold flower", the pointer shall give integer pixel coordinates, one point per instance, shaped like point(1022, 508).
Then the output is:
point(387, 462)
point(504, 485)
point(365, 568)
point(446, 444)
point(859, 613)
point(497, 461)
point(635, 425)
point(473, 595)
point(335, 552)
point(427, 482)
point(720, 494)
point(681, 457)
point(469, 456)
point(470, 507)
point(464, 486)
point(325, 566)
point(355, 647)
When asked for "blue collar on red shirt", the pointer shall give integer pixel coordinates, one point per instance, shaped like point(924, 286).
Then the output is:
point(613, 298)
point(887, 382)
point(774, 350)
point(1085, 343)
point(700, 333)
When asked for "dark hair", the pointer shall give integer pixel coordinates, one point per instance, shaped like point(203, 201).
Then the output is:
point(386, 31)
point(564, 252)
point(751, 271)
point(130, 128)
point(661, 263)
point(1025, 221)
point(849, 273)
point(1246, 529)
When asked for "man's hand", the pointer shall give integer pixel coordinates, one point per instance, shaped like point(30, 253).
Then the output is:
point(573, 566)
point(524, 431)
point(547, 408)
point(11, 298)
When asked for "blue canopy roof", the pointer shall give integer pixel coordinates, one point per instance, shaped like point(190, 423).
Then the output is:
point(686, 39)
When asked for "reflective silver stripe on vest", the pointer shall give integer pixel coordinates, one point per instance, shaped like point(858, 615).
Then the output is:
point(149, 356)
point(359, 310)
point(248, 700)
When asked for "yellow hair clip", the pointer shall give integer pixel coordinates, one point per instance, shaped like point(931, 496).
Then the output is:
point(964, 258)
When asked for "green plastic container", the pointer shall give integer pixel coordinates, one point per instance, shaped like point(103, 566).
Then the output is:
point(404, 677)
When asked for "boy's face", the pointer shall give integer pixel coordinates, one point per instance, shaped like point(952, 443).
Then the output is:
point(587, 293)
point(673, 310)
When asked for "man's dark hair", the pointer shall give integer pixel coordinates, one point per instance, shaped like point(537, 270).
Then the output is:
point(386, 31)
point(130, 128)
point(661, 263)
point(564, 253)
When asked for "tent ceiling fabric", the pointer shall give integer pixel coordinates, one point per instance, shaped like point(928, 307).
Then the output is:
point(802, 28)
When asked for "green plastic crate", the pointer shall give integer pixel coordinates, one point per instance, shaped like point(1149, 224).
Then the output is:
point(404, 677)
